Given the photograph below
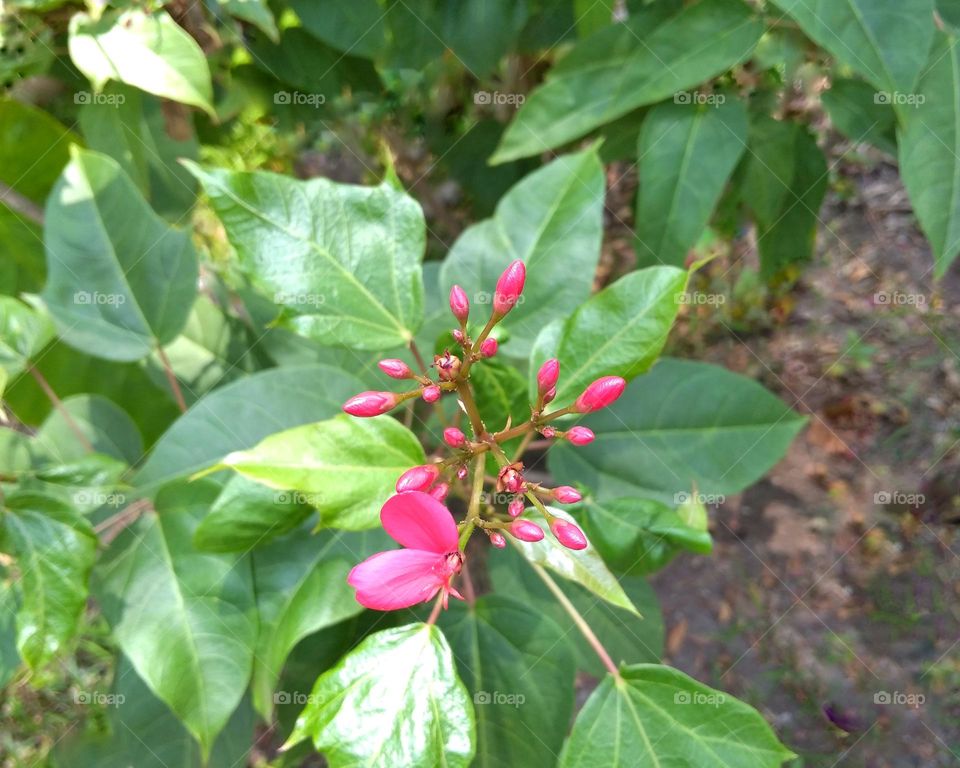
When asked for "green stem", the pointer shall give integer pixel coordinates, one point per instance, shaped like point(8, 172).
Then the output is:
point(473, 511)
point(473, 413)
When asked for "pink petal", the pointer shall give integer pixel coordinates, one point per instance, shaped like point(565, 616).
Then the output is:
point(418, 521)
point(397, 579)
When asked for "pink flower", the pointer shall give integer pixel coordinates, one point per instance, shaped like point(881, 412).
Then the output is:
point(418, 478)
point(488, 348)
point(459, 304)
point(396, 369)
point(568, 534)
point(580, 435)
point(370, 403)
point(509, 288)
point(548, 375)
point(388, 581)
point(600, 394)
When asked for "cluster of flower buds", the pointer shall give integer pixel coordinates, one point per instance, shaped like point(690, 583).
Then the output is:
point(430, 483)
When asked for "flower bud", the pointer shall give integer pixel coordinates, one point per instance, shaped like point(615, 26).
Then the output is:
point(447, 365)
point(510, 478)
point(548, 432)
point(459, 336)
point(566, 495)
point(600, 394)
point(454, 437)
point(459, 304)
point(548, 375)
point(396, 369)
point(498, 540)
point(431, 394)
point(516, 508)
point(509, 288)
point(568, 534)
point(526, 531)
point(549, 396)
point(461, 473)
point(439, 491)
point(579, 435)
point(418, 478)
point(370, 403)
point(488, 348)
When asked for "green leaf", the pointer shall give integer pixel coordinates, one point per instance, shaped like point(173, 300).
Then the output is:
point(55, 548)
point(516, 665)
point(186, 619)
point(350, 267)
point(657, 716)
point(552, 220)
point(301, 584)
point(638, 536)
point(352, 26)
point(687, 152)
point(855, 111)
point(619, 69)
point(785, 179)
point(617, 332)
point(106, 426)
point(395, 701)
point(149, 51)
point(627, 637)
point(481, 32)
point(256, 12)
point(24, 331)
point(346, 467)
point(928, 156)
point(682, 424)
point(885, 42)
point(9, 656)
point(500, 390)
point(585, 567)
point(242, 414)
point(114, 290)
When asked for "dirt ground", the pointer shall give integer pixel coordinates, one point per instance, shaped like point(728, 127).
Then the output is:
point(830, 600)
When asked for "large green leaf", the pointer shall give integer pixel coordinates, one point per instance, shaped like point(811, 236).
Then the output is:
point(55, 548)
point(617, 70)
point(885, 42)
point(584, 567)
point(553, 221)
point(686, 154)
point(856, 112)
point(256, 12)
point(627, 637)
point(106, 426)
point(480, 32)
point(683, 424)
point(395, 701)
point(638, 536)
point(617, 332)
point(784, 181)
point(653, 716)
point(149, 51)
point(343, 260)
point(355, 27)
point(114, 290)
point(517, 667)
point(929, 162)
point(345, 467)
point(186, 619)
point(301, 584)
point(244, 412)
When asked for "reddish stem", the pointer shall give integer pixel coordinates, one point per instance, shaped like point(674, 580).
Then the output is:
point(174, 384)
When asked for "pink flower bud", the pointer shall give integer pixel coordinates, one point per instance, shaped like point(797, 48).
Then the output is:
point(498, 540)
point(459, 304)
point(510, 478)
point(439, 491)
point(461, 473)
point(370, 403)
point(548, 375)
point(526, 531)
point(431, 394)
point(454, 437)
point(447, 365)
point(580, 435)
point(549, 396)
point(509, 288)
point(566, 495)
point(600, 394)
point(418, 478)
point(459, 336)
point(568, 534)
point(396, 369)
point(488, 348)
point(516, 508)
point(548, 432)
